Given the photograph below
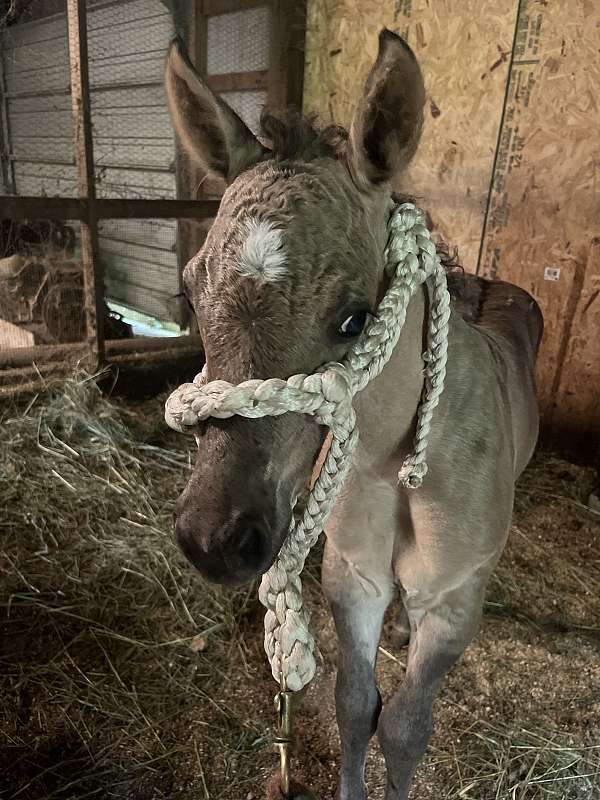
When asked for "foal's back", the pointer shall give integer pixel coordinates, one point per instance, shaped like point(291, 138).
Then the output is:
point(500, 308)
point(511, 324)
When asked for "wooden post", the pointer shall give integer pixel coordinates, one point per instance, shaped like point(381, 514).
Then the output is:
point(84, 156)
point(8, 167)
point(191, 232)
point(286, 68)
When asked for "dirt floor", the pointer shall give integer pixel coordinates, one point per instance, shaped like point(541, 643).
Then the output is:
point(124, 676)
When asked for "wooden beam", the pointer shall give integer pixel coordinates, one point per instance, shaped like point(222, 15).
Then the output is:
point(160, 209)
point(188, 173)
point(8, 168)
point(286, 70)
point(239, 81)
point(73, 351)
point(147, 344)
point(30, 379)
point(36, 377)
point(42, 353)
point(93, 284)
point(197, 37)
point(212, 8)
point(65, 208)
point(156, 356)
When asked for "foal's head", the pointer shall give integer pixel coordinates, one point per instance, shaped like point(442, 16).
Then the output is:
point(285, 281)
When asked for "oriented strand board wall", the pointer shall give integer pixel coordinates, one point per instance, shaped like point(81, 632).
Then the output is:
point(544, 213)
point(465, 66)
point(508, 165)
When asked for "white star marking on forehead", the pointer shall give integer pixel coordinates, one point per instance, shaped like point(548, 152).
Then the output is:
point(262, 256)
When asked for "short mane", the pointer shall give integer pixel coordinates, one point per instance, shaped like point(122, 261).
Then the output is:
point(293, 136)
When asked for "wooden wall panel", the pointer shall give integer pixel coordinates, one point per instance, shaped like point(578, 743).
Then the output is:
point(576, 402)
point(463, 48)
point(544, 209)
point(508, 164)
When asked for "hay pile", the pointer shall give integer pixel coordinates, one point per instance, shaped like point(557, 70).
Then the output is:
point(103, 624)
point(124, 676)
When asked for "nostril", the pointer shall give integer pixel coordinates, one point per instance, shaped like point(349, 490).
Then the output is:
point(251, 543)
point(239, 549)
point(207, 557)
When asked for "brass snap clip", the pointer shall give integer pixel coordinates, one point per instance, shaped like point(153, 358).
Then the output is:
point(283, 737)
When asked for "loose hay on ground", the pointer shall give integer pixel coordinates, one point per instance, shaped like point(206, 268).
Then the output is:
point(99, 608)
point(126, 676)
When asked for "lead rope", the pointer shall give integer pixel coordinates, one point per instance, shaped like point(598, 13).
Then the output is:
point(411, 260)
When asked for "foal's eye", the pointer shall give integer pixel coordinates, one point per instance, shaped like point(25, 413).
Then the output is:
point(354, 324)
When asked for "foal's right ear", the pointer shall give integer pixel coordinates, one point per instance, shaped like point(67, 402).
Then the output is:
point(211, 132)
point(386, 127)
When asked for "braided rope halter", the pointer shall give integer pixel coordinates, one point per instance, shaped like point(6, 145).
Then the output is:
point(411, 260)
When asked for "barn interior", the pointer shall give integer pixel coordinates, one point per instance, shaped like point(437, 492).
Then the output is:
point(124, 674)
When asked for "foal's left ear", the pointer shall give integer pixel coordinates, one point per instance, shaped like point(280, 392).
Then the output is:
point(386, 127)
point(211, 131)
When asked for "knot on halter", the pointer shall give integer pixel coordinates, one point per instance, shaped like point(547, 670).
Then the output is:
point(411, 260)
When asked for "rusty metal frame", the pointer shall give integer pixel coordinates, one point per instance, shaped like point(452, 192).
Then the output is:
point(80, 208)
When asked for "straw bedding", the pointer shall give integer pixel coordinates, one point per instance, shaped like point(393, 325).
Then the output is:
point(123, 675)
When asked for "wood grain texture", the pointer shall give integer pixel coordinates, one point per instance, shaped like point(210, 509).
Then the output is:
point(508, 163)
point(463, 48)
point(545, 201)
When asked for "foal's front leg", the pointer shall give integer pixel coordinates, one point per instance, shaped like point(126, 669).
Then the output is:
point(358, 601)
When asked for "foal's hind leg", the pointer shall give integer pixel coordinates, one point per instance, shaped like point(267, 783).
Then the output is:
point(358, 601)
point(400, 633)
point(439, 636)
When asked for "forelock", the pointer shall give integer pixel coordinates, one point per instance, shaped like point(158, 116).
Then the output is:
point(292, 136)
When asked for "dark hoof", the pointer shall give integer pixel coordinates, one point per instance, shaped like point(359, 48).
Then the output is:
point(297, 791)
point(399, 637)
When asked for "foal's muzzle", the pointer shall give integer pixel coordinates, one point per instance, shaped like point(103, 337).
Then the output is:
point(240, 550)
point(235, 512)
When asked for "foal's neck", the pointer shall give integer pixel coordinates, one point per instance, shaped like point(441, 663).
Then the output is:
point(386, 409)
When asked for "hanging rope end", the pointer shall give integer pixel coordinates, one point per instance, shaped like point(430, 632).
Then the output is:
point(412, 473)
